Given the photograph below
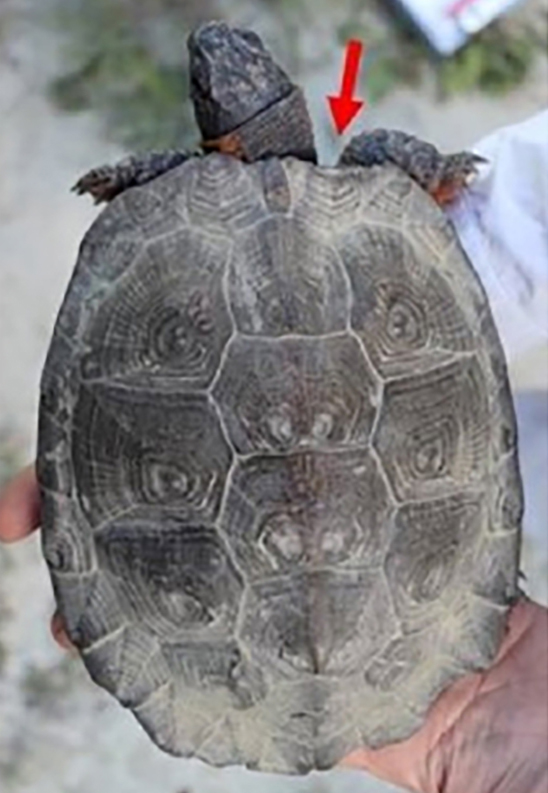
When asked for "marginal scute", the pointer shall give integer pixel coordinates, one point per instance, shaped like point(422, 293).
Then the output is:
point(284, 280)
point(331, 746)
point(299, 710)
point(490, 568)
point(390, 724)
point(163, 320)
point(53, 462)
point(53, 467)
point(275, 184)
point(144, 668)
point(108, 248)
point(88, 291)
point(434, 431)
point(387, 194)
point(214, 667)
point(105, 613)
point(129, 664)
point(428, 226)
point(161, 206)
point(393, 198)
point(57, 383)
point(473, 634)
point(331, 198)
point(394, 664)
point(306, 510)
point(221, 198)
point(103, 661)
point(505, 439)
point(220, 747)
point(69, 548)
point(157, 716)
point(73, 592)
point(147, 447)
point(506, 497)
point(431, 679)
point(307, 392)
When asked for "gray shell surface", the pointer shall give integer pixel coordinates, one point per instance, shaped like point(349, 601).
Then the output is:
point(277, 451)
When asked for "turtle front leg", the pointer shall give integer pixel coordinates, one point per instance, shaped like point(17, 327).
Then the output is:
point(443, 176)
point(107, 181)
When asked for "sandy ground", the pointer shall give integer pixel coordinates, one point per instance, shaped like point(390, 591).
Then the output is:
point(59, 733)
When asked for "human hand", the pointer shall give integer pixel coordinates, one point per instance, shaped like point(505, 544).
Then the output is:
point(488, 733)
point(19, 517)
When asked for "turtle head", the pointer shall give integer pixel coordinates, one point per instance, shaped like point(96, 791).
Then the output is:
point(244, 102)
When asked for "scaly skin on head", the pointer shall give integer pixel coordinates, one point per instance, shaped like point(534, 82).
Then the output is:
point(245, 104)
point(232, 78)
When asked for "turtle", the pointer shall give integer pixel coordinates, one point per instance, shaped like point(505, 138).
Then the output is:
point(277, 452)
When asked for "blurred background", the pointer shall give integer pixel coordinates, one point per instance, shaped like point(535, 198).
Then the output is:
point(83, 82)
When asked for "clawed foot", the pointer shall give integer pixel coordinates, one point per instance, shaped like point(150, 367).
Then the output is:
point(456, 172)
point(102, 183)
point(443, 176)
point(108, 181)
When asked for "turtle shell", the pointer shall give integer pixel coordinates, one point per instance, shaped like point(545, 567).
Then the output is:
point(277, 452)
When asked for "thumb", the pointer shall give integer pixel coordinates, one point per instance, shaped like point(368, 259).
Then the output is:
point(59, 632)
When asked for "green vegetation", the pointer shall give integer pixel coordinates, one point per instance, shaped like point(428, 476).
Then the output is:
point(495, 61)
point(394, 57)
point(125, 60)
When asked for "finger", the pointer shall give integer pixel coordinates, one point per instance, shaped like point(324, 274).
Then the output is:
point(417, 763)
point(403, 764)
point(20, 506)
point(60, 633)
point(414, 763)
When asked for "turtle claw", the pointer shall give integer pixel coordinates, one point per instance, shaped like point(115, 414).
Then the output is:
point(101, 183)
point(455, 173)
point(472, 170)
point(108, 181)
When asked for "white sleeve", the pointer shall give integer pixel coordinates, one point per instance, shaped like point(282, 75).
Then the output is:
point(502, 222)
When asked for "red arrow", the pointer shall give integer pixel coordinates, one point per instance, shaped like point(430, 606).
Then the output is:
point(344, 107)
